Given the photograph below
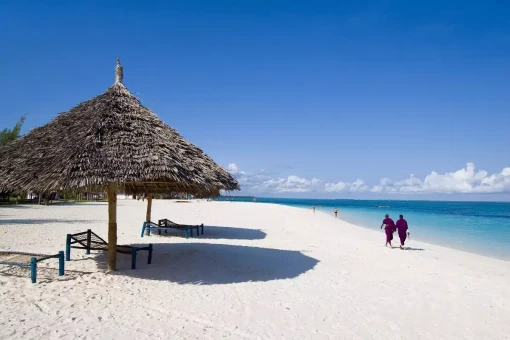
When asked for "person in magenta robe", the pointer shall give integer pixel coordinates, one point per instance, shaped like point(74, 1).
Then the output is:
point(402, 228)
point(389, 229)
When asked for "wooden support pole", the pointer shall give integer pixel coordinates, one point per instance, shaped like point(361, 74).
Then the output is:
point(112, 226)
point(149, 208)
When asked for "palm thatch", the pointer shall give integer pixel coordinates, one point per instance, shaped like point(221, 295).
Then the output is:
point(108, 143)
point(111, 138)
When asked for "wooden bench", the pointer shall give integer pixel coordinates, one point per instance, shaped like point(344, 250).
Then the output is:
point(89, 240)
point(23, 259)
point(165, 225)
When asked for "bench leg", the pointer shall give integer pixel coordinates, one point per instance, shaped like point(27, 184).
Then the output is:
point(143, 228)
point(68, 247)
point(133, 258)
point(198, 234)
point(202, 228)
point(89, 239)
point(149, 261)
point(60, 263)
point(186, 232)
point(33, 269)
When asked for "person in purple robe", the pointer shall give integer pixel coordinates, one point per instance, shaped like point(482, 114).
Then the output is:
point(402, 228)
point(389, 229)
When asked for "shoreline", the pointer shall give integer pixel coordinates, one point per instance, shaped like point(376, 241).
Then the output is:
point(439, 241)
point(375, 230)
point(465, 251)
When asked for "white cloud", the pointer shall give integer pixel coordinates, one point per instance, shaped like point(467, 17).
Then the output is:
point(465, 180)
point(356, 186)
point(292, 184)
point(263, 182)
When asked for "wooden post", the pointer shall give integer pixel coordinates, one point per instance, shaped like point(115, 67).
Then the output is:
point(149, 208)
point(40, 194)
point(112, 226)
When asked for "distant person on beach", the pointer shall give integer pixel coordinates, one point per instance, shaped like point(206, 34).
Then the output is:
point(336, 212)
point(389, 229)
point(313, 208)
point(402, 230)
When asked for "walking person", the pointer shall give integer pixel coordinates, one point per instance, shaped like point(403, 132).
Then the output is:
point(402, 228)
point(313, 208)
point(336, 212)
point(389, 229)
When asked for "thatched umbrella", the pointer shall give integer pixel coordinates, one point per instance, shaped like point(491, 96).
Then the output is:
point(109, 143)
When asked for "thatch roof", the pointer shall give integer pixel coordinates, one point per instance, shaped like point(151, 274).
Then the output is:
point(110, 138)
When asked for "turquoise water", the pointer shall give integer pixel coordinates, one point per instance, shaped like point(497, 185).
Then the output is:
point(480, 227)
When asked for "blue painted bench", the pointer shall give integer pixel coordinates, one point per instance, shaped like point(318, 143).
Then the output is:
point(89, 240)
point(23, 259)
point(165, 225)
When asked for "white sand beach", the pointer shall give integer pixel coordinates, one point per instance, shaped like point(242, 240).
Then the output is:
point(260, 271)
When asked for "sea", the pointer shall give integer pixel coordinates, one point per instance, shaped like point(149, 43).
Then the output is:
point(477, 227)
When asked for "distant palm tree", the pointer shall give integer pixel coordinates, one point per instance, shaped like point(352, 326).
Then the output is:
point(8, 135)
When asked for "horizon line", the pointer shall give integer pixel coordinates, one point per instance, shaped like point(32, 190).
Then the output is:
point(364, 199)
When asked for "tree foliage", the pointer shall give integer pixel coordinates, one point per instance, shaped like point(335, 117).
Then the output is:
point(8, 135)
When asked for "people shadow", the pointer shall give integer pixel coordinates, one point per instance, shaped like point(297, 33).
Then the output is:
point(222, 233)
point(213, 264)
point(413, 249)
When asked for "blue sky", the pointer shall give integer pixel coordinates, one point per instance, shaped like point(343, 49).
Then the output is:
point(335, 91)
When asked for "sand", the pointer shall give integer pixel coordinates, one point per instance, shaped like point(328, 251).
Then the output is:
point(260, 271)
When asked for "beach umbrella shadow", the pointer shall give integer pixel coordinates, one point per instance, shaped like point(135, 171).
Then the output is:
point(223, 233)
point(211, 264)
